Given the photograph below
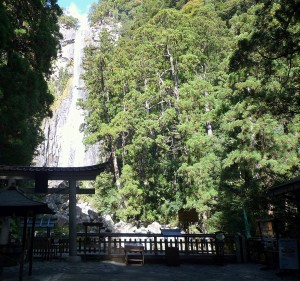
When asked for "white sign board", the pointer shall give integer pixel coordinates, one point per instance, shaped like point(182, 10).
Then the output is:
point(288, 254)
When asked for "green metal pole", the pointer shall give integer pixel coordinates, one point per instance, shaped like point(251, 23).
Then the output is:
point(247, 226)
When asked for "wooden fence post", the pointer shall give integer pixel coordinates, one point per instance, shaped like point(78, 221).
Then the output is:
point(238, 246)
point(109, 246)
point(155, 246)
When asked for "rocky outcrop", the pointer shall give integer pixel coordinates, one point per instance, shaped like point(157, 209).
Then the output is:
point(107, 24)
point(85, 213)
point(61, 82)
point(66, 53)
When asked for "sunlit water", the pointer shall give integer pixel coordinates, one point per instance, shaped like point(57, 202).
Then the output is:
point(73, 152)
point(64, 142)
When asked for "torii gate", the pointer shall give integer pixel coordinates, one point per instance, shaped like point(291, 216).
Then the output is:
point(41, 175)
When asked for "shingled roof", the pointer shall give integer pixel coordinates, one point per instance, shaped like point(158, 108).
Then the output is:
point(14, 202)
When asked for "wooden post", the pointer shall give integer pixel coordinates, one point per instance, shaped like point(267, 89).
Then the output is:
point(4, 234)
point(85, 241)
point(23, 248)
point(244, 248)
point(155, 246)
point(238, 247)
point(72, 219)
point(109, 246)
point(31, 245)
point(186, 244)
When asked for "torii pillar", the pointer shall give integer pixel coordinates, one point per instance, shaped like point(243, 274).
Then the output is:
point(72, 219)
point(73, 191)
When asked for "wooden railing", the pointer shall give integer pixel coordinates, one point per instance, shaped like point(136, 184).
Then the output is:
point(109, 245)
point(49, 248)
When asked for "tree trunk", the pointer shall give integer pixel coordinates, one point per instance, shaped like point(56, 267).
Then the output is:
point(115, 165)
point(174, 72)
point(208, 123)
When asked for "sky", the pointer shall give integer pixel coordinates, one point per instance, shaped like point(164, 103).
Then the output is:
point(76, 8)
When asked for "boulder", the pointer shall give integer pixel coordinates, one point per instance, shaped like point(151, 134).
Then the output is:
point(94, 217)
point(154, 227)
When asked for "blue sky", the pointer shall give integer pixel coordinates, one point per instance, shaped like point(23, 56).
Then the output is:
point(76, 7)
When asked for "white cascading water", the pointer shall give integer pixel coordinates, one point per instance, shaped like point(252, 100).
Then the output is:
point(63, 145)
point(72, 150)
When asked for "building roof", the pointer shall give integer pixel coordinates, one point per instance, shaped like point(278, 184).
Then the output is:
point(14, 202)
point(290, 186)
point(53, 173)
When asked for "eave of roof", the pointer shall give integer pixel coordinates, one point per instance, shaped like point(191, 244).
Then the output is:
point(292, 185)
point(53, 173)
point(14, 202)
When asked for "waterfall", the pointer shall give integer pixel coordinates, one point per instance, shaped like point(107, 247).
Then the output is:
point(63, 145)
point(72, 149)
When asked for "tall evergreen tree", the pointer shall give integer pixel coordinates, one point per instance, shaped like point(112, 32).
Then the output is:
point(161, 84)
point(196, 108)
point(30, 42)
point(262, 137)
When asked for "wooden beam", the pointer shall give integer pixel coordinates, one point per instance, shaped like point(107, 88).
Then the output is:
point(67, 191)
point(54, 173)
point(60, 190)
point(41, 182)
point(291, 186)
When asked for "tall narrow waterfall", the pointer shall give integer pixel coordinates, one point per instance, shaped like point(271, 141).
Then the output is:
point(63, 145)
point(72, 149)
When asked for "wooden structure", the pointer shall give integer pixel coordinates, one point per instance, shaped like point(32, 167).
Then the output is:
point(14, 203)
point(287, 197)
point(41, 176)
point(289, 187)
point(187, 217)
point(135, 249)
point(191, 247)
point(265, 246)
point(87, 241)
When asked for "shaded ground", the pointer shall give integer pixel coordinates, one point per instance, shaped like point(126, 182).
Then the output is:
point(112, 271)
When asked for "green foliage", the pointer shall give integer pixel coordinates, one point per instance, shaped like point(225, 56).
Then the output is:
point(29, 41)
point(68, 21)
point(60, 84)
point(6, 30)
point(131, 195)
point(106, 199)
point(152, 94)
point(19, 141)
point(260, 146)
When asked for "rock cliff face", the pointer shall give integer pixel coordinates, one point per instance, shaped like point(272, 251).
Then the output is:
point(59, 148)
point(63, 145)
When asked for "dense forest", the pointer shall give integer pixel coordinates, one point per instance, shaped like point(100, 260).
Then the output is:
point(196, 104)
